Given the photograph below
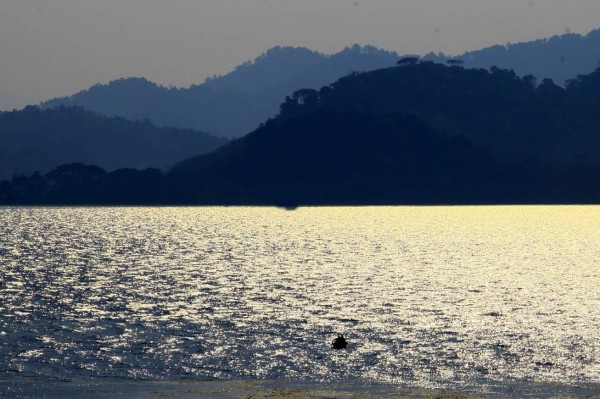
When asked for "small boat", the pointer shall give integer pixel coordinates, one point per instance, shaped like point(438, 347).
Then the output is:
point(339, 343)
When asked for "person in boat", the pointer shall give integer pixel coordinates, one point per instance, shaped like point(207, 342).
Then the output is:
point(339, 343)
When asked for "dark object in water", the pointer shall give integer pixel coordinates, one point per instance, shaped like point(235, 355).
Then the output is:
point(339, 343)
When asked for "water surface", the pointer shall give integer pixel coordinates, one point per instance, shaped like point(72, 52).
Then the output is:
point(432, 297)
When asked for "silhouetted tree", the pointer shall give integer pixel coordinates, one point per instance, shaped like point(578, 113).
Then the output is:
point(408, 61)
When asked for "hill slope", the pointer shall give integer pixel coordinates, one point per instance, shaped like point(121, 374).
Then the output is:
point(510, 116)
point(236, 103)
point(233, 104)
point(421, 133)
point(330, 157)
point(39, 140)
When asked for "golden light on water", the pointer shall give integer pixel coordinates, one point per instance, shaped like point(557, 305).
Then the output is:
point(427, 296)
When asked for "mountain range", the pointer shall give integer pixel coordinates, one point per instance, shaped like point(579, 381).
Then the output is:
point(417, 133)
point(560, 57)
point(236, 103)
point(231, 105)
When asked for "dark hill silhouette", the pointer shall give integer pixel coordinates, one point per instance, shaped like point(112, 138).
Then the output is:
point(233, 104)
point(404, 134)
point(419, 133)
point(510, 116)
point(78, 184)
point(38, 140)
point(330, 157)
point(560, 57)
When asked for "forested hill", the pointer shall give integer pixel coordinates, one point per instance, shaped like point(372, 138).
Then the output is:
point(418, 133)
point(512, 117)
point(415, 133)
point(39, 140)
point(233, 104)
point(560, 57)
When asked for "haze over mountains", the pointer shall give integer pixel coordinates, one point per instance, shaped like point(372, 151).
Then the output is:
point(236, 103)
point(10, 101)
point(560, 57)
point(419, 133)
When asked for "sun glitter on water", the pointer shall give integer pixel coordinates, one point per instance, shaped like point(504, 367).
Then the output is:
point(450, 297)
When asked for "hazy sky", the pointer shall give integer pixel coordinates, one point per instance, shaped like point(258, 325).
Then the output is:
point(56, 47)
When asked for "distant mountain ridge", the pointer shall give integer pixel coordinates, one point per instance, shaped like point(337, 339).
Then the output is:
point(236, 103)
point(560, 57)
point(233, 104)
point(39, 140)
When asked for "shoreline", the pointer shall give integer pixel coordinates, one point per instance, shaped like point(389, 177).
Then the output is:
point(257, 389)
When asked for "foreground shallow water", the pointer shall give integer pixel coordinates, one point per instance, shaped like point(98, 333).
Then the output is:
point(473, 299)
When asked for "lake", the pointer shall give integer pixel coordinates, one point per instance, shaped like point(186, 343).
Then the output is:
point(472, 299)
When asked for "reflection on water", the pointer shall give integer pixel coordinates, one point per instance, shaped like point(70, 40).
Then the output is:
point(432, 297)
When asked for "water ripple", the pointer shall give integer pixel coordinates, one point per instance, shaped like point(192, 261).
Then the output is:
point(431, 297)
